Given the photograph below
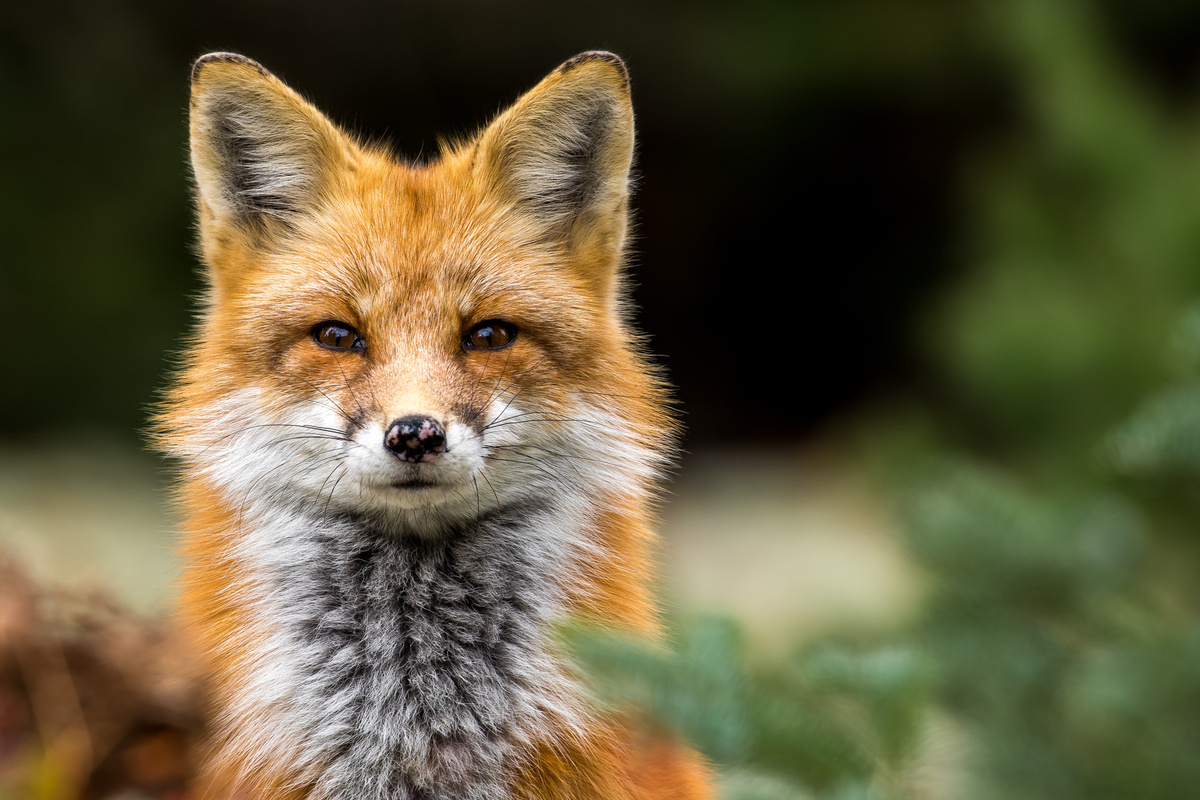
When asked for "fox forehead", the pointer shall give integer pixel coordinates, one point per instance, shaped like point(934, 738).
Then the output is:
point(391, 238)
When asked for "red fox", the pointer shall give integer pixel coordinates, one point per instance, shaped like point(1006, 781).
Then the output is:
point(416, 432)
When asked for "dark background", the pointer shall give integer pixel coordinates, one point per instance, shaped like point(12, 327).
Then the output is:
point(800, 203)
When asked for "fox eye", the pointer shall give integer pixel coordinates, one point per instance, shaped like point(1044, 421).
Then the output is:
point(491, 334)
point(337, 336)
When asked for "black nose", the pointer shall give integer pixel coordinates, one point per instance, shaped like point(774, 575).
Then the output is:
point(415, 438)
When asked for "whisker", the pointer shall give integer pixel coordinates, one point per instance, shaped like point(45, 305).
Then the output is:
point(338, 431)
point(475, 390)
point(513, 382)
point(543, 418)
point(567, 458)
point(532, 462)
point(346, 381)
point(495, 494)
point(251, 490)
point(503, 369)
point(313, 436)
point(498, 392)
point(333, 403)
point(329, 499)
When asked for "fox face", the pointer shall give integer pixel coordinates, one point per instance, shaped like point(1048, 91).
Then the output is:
point(416, 345)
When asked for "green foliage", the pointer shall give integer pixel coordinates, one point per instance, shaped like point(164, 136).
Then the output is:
point(1159, 439)
point(1085, 233)
point(841, 720)
point(1061, 620)
point(1051, 643)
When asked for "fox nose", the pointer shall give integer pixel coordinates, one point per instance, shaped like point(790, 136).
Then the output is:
point(415, 438)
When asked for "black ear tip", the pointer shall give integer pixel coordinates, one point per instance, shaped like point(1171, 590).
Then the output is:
point(226, 58)
point(612, 59)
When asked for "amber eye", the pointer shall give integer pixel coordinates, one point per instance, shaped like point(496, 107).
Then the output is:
point(491, 334)
point(337, 336)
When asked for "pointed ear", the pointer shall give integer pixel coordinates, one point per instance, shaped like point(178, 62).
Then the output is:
point(260, 154)
point(562, 153)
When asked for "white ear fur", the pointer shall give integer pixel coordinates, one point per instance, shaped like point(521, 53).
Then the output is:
point(564, 150)
point(259, 151)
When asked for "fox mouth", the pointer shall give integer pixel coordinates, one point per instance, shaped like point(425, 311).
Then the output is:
point(416, 484)
point(412, 492)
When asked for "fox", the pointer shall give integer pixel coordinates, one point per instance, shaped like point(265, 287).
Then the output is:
point(416, 431)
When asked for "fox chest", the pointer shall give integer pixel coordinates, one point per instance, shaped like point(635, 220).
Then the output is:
point(408, 669)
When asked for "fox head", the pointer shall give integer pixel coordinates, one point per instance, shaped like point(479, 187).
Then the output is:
point(411, 344)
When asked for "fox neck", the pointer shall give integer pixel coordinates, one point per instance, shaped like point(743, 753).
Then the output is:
point(399, 667)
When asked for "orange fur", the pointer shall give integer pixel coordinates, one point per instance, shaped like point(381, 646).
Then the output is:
point(313, 226)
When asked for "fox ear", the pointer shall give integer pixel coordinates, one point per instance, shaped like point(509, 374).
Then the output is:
point(563, 151)
point(260, 153)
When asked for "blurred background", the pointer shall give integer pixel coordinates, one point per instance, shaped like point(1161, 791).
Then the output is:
point(944, 256)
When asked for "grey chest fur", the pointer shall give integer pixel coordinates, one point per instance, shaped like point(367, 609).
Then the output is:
point(419, 667)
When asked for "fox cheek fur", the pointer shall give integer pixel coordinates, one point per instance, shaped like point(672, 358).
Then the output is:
point(416, 432)
point(413, 435)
